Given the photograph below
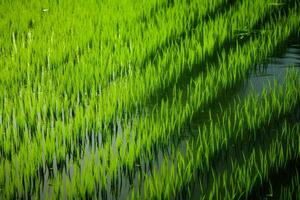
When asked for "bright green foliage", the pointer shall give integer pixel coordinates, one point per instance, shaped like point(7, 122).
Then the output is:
point(92, 92)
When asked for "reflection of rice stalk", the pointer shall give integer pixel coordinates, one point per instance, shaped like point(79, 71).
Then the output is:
point(277, 4)
point(246, 32)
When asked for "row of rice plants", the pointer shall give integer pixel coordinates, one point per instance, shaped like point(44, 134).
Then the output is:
point(240, 180)
point(232, 127)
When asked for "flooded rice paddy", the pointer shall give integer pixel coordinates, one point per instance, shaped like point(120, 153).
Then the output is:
point(150, 99)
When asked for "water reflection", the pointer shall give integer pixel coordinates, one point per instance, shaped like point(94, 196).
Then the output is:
point(274, 68)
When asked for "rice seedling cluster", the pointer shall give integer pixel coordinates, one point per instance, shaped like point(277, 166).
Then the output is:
point(126, 100)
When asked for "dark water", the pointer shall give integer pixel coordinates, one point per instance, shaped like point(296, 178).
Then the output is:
point(274, 68)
